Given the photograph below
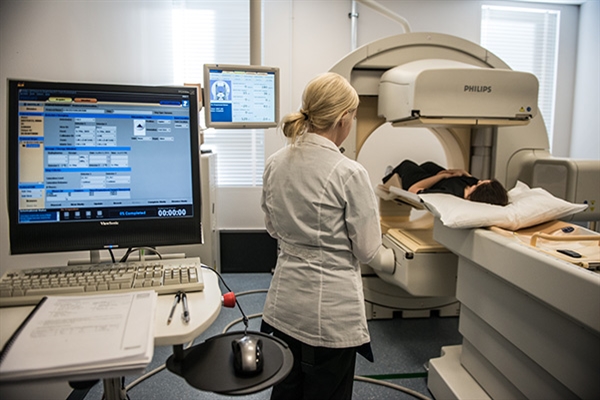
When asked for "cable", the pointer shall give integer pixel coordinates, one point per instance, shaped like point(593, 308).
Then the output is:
point(238, 320)
point(150, 373)
point(112, 255)
point(392, 386)
point(244, 318)
point(145, 376)
point(356, 377)
point(435, 307)
point(132, 249)
point(251, 292)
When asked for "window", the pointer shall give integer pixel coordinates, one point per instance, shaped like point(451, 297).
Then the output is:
point(218, 31)
point(527, 40)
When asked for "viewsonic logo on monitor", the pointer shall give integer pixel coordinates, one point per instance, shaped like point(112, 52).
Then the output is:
point(108, 223)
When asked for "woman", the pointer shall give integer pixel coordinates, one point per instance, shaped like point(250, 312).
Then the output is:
point(431, 178)
point(320, 206)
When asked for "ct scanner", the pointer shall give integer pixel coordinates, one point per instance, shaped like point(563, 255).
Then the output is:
point(530, 322)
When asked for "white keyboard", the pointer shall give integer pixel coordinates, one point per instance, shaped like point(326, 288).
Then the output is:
point(29, 286)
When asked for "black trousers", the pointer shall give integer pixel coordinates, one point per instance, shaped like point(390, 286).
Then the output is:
point(411, 173)
point(318, 373)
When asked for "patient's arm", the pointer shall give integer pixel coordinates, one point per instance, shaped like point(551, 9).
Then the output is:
point(458, 172)
point(432, 180)
point(428, 182)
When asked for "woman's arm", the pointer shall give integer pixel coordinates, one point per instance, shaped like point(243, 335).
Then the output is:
point(432, 180)
point(363, 223)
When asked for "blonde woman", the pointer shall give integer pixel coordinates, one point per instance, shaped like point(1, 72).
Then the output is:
point(320, 206)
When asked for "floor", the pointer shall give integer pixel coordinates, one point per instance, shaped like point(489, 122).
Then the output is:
point(402, 348)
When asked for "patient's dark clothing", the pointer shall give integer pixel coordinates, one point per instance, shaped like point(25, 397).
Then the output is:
point(411, 173)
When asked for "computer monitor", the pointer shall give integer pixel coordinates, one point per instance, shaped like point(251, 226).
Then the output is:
point(97, 166)
point(241, 96)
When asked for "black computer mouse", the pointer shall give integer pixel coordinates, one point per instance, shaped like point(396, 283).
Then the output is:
point(247, 355)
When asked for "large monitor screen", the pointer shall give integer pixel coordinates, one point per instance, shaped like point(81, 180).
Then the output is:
point(93, 166)
point(241, 96)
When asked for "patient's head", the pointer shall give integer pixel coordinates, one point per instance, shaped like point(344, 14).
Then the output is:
point(488, 191)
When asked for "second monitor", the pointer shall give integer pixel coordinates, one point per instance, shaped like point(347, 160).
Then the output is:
point(241, 96)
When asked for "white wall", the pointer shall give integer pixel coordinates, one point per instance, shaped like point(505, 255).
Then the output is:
point(130, 41)
point(585, 136)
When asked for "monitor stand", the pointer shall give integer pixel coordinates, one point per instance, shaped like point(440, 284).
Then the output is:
point(95, 258)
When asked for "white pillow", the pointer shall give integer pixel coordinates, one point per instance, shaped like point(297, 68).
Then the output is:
point(527, 207)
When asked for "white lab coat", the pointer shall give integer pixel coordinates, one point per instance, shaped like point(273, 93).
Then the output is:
point(320, 205)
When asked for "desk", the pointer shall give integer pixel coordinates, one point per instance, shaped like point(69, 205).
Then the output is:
point(204, 309)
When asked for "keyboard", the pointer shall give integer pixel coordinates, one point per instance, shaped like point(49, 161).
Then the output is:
point(29, 286)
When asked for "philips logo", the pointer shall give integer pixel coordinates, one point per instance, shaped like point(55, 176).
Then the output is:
point(478, 89)
point(108, 223)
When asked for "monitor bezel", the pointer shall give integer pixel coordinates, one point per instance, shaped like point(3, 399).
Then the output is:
point(34, 238)
point(238, 125)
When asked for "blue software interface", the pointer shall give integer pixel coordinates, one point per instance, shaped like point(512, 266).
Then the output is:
point(102, 155)
point(242, 96)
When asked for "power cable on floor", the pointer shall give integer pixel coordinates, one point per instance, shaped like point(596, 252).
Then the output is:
point(392, 386)
point(373, 380)
point(376, 380)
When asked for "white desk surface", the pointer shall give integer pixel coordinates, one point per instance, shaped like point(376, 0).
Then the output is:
point(204, 309)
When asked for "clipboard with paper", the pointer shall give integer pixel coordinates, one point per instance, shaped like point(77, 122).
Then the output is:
point(82, 337)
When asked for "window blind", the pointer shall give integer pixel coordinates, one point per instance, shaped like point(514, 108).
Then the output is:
point(527, 40)
point(218, 32)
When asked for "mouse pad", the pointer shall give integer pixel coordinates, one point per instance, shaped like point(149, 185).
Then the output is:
point(209, 365)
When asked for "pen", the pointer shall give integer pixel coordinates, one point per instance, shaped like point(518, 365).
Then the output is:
point(186, 311)
point(173, 308)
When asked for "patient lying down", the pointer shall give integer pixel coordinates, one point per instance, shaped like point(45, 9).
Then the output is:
point(431, 178)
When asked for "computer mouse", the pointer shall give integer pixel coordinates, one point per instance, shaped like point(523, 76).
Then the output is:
point(247, 355)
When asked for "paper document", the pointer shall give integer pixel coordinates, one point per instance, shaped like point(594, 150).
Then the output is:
point(72, 336)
